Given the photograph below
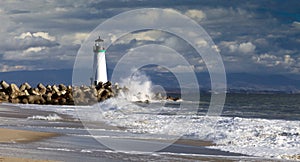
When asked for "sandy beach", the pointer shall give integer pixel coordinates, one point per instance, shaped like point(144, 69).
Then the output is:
point(19, 136)
point(16, 136)
point(13, 159)
point(13, 136)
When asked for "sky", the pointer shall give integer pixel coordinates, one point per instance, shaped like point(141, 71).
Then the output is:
point(251, 36)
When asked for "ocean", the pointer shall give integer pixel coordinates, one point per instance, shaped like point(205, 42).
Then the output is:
point(252, 127)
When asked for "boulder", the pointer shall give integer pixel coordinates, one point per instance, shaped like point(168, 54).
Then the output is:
point(62, 94)
point(25, 86)
point(33, 91)
point(42, 89)
point(107, 85)
point(55, 89)
point(62, 87)
point(13, 88)
point(3, 97)
point(24, 101)
point(62, 101)
point(15, 100)
point(49, 88)
point(99, 86)
point(4, 85)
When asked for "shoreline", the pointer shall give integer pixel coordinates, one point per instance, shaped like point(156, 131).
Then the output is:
point(181, 149)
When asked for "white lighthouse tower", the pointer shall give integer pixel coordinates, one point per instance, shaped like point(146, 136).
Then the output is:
point(99, 67)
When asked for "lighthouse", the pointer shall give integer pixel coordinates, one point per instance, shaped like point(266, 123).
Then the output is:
point(99, 66)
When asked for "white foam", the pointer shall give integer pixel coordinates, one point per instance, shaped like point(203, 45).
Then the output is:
point(51, 117)
point(257, 137)
point(139, 88)
point(56, 149)
point(250, 136)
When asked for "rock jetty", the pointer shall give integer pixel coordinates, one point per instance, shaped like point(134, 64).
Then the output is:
point(56, 94)
point(64, 95)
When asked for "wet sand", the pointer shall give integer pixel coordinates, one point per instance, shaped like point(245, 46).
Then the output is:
point(13, 159)
point(16, 136)
point(19, 136)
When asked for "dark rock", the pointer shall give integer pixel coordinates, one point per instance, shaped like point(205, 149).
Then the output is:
point(25, 101)
point(62, 101)
point(15, 100)
point(99, 86)
point(173, 98)
point(107, 84)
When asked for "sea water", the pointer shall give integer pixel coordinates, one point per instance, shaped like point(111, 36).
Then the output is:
point(263, 125)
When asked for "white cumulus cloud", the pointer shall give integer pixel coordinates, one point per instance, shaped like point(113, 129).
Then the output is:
point(266, 59)
point(43, 35)
point(233, 47)
point(197, 15)
point(270, 60)
point(246, 47)
point(34, 49)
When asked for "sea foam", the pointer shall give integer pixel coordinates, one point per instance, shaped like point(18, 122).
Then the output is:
point(51, 117)
point(251, 136)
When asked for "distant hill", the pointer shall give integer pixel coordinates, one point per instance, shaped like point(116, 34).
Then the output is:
point(39, 76)
point(263, 82)
point(235, 81)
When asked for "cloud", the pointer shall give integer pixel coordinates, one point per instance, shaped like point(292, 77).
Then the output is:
point(34, 49)
point(216, 48)
point(182, 68)
point(26, 41)
point(246, 47)
point(201, 42)
point(296, 24)
point(266, 59)
point(235, 47)
point(43, 35)
point(287, 59)
point(149, 35)
point(24, 35)
point(52, 31)
point(6, 68)
point(32, 53)
point(197, 15)
point(74, 38)
point(281, 62)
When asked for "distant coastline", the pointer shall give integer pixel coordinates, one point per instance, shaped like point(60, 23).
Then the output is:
point(236, 82)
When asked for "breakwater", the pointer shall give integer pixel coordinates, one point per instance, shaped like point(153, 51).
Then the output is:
point(56, 94)
point(65, 94)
